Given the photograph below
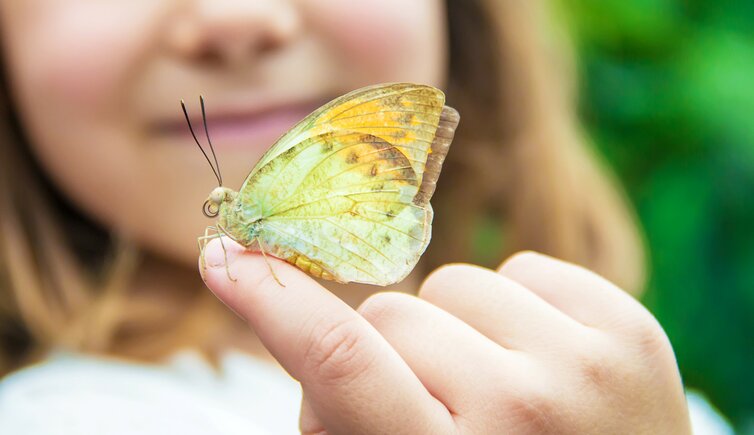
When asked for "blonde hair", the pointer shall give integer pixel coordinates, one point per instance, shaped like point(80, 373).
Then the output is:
point(531, 171)
point(520, 172)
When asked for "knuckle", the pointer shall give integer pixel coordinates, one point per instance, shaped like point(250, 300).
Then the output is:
point(605, 364)
point(532, 412)
point(526, 405)
point(599, 371)
point(335, 353)
point(598, 362)
point(649, 338)
point(644, 335)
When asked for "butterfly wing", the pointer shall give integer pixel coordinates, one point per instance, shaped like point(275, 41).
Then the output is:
point(350, 196)
point(403, 114)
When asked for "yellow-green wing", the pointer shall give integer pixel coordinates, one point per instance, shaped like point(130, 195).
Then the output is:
point(403, 114)
point(351, 202)
point(352, 214)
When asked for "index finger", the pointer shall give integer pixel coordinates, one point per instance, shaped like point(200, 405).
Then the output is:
point(353, 379)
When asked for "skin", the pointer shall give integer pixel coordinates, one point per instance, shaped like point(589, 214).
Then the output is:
point(98, 84)
point(538, 346)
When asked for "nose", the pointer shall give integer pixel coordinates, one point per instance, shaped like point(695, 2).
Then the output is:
point(232, 31)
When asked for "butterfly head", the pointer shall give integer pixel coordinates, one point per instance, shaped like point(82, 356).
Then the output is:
point(218, 196)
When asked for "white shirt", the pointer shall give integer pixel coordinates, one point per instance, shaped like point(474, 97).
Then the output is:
point(74, 394)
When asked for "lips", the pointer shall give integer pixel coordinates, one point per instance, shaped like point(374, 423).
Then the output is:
point(233, 128)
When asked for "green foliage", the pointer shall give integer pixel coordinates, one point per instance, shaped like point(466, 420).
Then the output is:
point(668, 97)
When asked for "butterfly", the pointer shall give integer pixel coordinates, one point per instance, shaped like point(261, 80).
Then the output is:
point(344, 194)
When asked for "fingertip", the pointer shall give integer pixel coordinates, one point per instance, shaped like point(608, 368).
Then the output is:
point(524, 260)
point(230, 271)
point(524, 264)
point(216, 255)
point(221, 251)
point(448, 270)
point(246, 280)
point(448, 276)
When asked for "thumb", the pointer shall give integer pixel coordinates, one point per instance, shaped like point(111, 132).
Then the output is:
point(353, 379)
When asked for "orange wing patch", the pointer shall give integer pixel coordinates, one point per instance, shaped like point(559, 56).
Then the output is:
point(406, 116)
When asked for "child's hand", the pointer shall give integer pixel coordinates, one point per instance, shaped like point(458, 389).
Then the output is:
point(541, 346)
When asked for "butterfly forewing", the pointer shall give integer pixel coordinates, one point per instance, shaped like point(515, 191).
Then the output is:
point(346, 188)
point(403, 114)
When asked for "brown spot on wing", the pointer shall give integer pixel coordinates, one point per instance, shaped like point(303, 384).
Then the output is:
point(388, 161)
point(352, 157)
point(368, 138)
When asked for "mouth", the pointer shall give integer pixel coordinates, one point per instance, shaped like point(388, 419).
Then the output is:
point(233, 128)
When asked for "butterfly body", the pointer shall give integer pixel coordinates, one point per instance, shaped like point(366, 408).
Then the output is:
point(344, 195)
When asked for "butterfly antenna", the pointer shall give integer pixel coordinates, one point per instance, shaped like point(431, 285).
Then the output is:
point(188, 121)
point(211, 148)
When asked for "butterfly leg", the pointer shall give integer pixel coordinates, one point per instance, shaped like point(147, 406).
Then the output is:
point(227, 268)
point(261, 248)
point(202, 242)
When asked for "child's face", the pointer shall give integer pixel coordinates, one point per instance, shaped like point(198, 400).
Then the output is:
point(97, 85)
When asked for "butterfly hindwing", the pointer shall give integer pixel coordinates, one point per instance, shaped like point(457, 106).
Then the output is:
point(344, 200)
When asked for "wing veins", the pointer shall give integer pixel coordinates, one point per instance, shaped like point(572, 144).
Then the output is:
point(309, 172)
point(283, 233)
point(296, 192)
point(411, 204)
point(330, 221)
point(392, 126)
point(314, 116)
point(325, 218)
point(339, 195)
point(376, 97)
point(285, 166)
point(371, 210)
point(399, 124)
point(397, 168)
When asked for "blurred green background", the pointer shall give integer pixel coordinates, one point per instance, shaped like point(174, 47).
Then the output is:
point(667, 95)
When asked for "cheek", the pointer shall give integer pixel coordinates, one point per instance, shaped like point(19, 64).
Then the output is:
point(72, 71)
point(393, 40)
point(71, 65)
point(79, 53)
